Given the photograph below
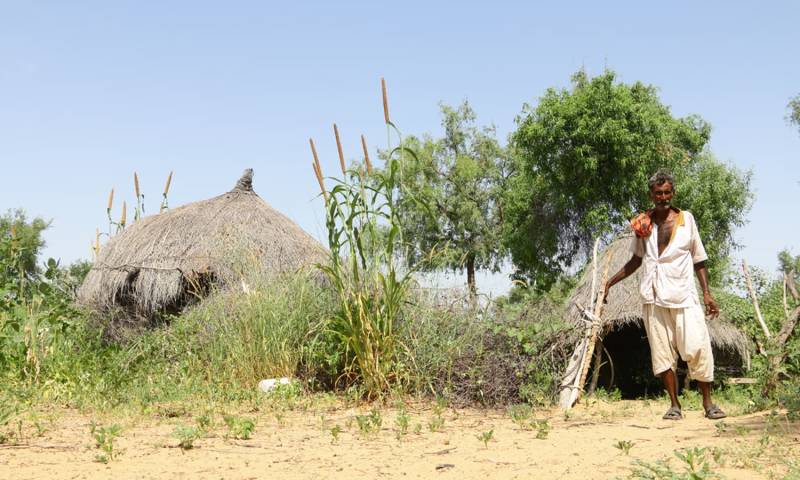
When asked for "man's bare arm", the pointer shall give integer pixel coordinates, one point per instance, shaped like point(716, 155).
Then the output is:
point(627, 270)
point(712, 308)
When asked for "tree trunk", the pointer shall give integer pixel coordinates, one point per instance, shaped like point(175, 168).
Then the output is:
point(473, 289)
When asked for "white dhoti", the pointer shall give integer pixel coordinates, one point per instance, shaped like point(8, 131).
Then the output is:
point(679, 331)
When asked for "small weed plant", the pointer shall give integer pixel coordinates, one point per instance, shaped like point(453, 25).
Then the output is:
point(624, 446)
point(485, 437)
point(436, 423)
point(695, 467)
point(104, 441)
point(521, 414)
point(542, 428)
point(371, 423)
point(721, 428)
point(205, 420)
point(336, 430)
point(402, 421)
point(186, 436)
point(239, 428)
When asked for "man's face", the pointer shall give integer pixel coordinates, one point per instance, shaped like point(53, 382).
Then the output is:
point(661, 195)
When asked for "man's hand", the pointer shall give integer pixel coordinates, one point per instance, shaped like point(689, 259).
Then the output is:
point(605, 292)
point(712, 309)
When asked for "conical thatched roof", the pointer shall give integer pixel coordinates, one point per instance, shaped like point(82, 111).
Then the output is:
point(624, 304)
point(159, 262)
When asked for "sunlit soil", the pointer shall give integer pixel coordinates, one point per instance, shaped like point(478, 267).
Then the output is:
point(320, 440)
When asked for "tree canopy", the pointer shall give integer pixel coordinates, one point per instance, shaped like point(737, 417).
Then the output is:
point(20, 243)
point(794, 111)
point(582, 160)
point(450, 195)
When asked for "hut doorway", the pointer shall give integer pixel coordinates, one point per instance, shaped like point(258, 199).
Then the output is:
point(630, 356)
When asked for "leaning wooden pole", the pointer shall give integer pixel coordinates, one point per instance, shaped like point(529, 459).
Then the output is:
point(596, 324)
point(577, 368)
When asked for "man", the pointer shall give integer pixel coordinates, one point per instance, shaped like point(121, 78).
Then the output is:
point(667, 243)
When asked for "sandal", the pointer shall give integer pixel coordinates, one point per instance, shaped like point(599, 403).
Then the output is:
point(715, 413)
point(674, 413)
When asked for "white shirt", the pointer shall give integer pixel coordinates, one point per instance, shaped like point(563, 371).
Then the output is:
point(668, 280)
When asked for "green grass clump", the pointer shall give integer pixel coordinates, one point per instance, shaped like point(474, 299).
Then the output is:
point(186, 436)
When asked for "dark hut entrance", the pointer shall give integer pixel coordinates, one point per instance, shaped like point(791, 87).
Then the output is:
point(632, 370)
point(630, 356)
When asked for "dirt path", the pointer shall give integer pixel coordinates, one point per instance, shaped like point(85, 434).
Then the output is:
point(298, 444)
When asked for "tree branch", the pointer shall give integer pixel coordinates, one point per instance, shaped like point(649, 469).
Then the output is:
point(759, 317)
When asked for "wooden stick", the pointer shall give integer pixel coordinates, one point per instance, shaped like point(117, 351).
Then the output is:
point(598, 311)
point(785, 304)
point(598, 357)
point(753, 297)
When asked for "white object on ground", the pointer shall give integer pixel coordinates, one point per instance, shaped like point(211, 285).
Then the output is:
point(270, 383)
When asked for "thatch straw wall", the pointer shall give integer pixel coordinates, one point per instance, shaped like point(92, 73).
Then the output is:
point(156, 262)
point(624, 304)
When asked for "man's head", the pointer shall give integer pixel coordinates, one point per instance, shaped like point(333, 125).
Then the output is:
point(662, 188)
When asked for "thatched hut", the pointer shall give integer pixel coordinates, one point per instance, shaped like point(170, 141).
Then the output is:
point(162, 262)
point(624, 341)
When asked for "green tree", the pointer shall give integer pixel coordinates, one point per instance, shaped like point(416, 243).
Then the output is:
point(719, 195)
point(583, 158)
point(794, 111)
point(450, 195)
point(20, 243)
point(789, 265)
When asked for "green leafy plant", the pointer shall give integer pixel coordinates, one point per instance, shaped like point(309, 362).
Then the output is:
point(370, 423)
point(240, 428)
point(521, 413)
point(335, 431)
point(485, 437)
point(583, 157)
point(696, 463)
point(205, 420)
point(186, 436)
point(451, 195)
point(721, 427)
point(104, 440)
point(8, 412)
point(436, 423)
point(624, 446)
point(696, 467)
point(364, 242)
point(402, 421)
point(542, 428)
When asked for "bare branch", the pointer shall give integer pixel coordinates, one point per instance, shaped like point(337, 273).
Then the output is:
point(759, 317)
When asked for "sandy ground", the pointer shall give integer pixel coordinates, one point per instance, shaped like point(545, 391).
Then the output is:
point(300, 444)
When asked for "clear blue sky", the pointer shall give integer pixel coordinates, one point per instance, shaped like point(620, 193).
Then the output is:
point(92, 91)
